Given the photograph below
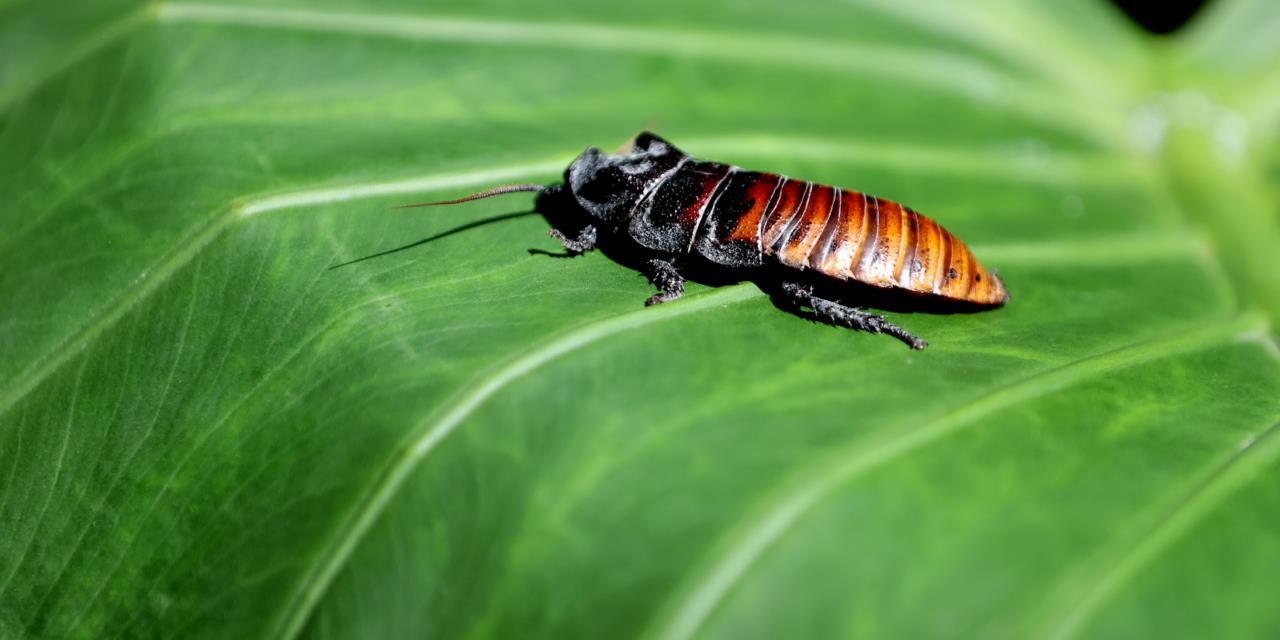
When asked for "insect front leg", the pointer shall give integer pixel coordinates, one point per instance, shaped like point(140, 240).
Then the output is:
point(663, 275)
point(838, 314)
point(584, 242)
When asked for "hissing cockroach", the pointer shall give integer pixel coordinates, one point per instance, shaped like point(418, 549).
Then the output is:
point(676, 211)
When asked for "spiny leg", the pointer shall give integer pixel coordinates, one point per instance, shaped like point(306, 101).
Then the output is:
point(584, 242)
point(664, 276)
point(834, 313)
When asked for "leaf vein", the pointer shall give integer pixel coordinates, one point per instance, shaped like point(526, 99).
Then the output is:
point(183, 334)
point(748, 542)
point(966, 77)
point(426, 436)
point(53, 484)
point(87, 47)
point(187, 248)
point(1114, 573)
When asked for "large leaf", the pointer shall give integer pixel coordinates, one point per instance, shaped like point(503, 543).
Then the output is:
point(206, 431)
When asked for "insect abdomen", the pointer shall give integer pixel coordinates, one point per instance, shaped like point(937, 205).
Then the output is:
point(843, 234)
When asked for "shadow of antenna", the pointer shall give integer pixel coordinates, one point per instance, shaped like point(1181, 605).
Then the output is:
point(444, 234)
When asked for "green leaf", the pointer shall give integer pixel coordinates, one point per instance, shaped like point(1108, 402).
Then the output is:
point(206, 431)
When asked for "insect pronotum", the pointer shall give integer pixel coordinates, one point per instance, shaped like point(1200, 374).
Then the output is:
point(820, 244)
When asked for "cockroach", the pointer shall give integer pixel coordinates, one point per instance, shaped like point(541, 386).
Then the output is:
point(675, 211)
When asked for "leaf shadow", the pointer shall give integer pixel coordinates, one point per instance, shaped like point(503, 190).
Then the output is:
point(443, 234)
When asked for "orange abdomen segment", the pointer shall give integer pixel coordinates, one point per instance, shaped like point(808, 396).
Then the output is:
point(784, 214)
point(852, 236)
point(798, 241)
point(883, 255)
point(746, 225)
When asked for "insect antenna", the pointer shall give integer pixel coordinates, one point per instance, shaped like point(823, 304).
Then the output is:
point(496, 191)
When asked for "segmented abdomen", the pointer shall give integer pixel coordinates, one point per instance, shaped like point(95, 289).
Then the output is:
point(844, 234)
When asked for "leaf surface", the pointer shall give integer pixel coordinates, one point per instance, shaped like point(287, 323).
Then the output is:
point(206, 431)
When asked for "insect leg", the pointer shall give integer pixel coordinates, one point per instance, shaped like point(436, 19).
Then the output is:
point(838, 314)
point(663, 275)
point(585, 241)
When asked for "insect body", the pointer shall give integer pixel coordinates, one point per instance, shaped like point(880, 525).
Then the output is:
point(676, 210)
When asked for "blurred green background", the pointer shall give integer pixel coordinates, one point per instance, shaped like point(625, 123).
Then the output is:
point(205, 432)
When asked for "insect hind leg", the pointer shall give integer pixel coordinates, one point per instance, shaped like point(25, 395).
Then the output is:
point(841, 315)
